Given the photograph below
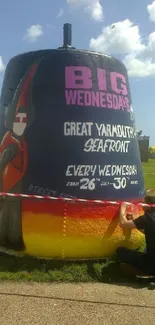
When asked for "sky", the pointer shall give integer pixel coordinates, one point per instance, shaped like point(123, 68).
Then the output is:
point(37, 24)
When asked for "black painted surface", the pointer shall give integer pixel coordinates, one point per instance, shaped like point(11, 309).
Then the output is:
point(50, 152)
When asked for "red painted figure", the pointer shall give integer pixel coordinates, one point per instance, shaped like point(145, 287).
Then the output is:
point(13, 162)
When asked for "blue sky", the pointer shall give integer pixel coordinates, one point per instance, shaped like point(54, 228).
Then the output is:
point(132, 39)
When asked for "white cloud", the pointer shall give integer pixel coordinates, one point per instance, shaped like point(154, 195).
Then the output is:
point(151, 11)
point(150, 50)
point(142, 64)
point(60, 13)
point(2, 65)
point(33, 32)
point(138, 67)
point(92, 7)
point(119, 38)
point(124, 38)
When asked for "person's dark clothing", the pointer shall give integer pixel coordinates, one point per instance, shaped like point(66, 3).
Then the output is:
point(147, 222)
point(144, 261)
point(136, 259)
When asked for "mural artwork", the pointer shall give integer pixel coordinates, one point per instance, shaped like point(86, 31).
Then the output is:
point(68, 130)
point(13, 162)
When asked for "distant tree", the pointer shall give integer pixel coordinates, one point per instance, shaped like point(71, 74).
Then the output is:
point(139, 133)
point(150, 152)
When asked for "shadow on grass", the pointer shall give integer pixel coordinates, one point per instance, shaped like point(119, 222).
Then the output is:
point(40, 270)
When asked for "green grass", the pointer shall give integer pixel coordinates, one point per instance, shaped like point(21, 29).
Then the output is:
point(32, 269)
point(149, 173)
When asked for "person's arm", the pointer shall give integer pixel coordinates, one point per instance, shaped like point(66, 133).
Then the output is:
point(126, 222)
point(142, 222)
point(132, 221)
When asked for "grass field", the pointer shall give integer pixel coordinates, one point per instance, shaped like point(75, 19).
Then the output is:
point(29, 269)
point(32, 269)
point(149, 173)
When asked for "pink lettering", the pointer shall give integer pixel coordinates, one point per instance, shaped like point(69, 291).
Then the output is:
point(127, 104)
point(109, 100)
point(87, 98)
point(102, 100)
point(102, 83)
point(95, 98)
point(117, 78)
point(78, 77)
point(124, 102)
point(120, 100)
point(70, 97)
point(79, 98)
point(115, 102)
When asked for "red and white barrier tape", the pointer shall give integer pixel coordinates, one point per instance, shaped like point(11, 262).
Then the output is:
point(47, 197)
